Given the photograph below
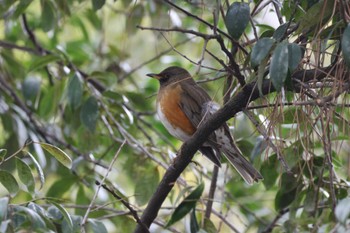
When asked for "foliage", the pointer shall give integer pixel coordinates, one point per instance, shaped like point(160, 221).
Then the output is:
point(81, 148)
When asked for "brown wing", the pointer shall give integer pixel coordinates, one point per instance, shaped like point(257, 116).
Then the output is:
point(192, 101)
point(193, 97)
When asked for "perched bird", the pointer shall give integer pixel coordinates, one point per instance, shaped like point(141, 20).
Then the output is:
point(182, 106)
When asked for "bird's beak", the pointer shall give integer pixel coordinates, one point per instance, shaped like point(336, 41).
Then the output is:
point(156, 76)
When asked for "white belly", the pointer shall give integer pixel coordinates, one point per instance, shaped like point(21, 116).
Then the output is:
point(175, 131)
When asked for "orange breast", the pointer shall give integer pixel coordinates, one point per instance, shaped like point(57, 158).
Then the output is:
point(168, 100)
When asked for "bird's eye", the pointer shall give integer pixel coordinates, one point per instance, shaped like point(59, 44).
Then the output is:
point(164, 79)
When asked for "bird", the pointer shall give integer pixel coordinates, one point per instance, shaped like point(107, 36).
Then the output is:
point(182, 106)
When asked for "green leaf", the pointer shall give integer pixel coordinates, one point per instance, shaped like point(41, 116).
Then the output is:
point(134, 18)
point(25, 175)
point(48, 15)
point(209, 226)
point(58, 188)
point(193, 222)
point(59, 154)
point(9, 182)
point(279, 65)
point(4, 201)
point(284, 199)
point(89, 113)
point(97, 226)
point(97, 4)
point(31, 87)
point(35, 219)
point(74, 92)
point(38, 168)
point(81, 199)
point(3, 153)
point(294, 56)
point(269, 171)
point(76, 225)
point(237, 19)
point(144, 187)
point(42, 61)
point(113, 95)
point(345, 43)
point(342, 210)
point(318, 14)
point(64, 213)
point(21, 7)
point(261, 50)
point(288, 182)
point(186, 205)
point(280, 32)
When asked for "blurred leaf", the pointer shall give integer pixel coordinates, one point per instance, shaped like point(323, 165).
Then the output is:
point(294, 56)
point(48, 15)
point(97, 226)
point(21, 7)
point(280, 32)
point(42, 61)
point(261, 73)
point(25, 175)
point(342, 210)
point(12, 65)
point(55, 214)
point(279, 65)
point(89, 113)
point(3, 153)
point(63, 6)
point(76, 225)
point(35, 219)
point(288, 182)
point(284, 199)
point(309, 201)
point(81, 199)
point(318, 14)
point(113, 95)
point(74, 92)
point(9, 182)
point(259, 146)
point(58, 154)
point(38, 168)
point(37, 208)
point(209, 226)
point(134, 18)
point(31, 87)
point(64, 213)
point(97, 4)
point(345, 43)
point(58, 188)
point(237, 19)
point(193, 222)
point(146, 185)
point(269, 171)
point(93, 18)
point(186, 205)
point(4, 201)
point(261, 50)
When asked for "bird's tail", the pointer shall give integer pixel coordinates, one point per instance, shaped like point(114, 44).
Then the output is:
point(242, 165)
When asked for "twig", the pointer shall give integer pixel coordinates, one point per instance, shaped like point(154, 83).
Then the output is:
point(272, 225)
point(83, 222)
point(211, 195)
point(263, 132)
point(125, 203)
point(152, 59)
